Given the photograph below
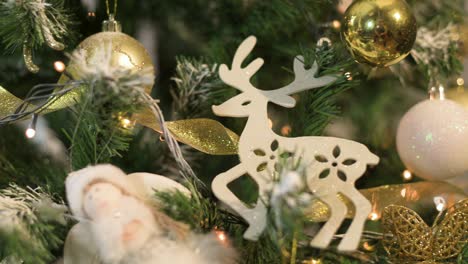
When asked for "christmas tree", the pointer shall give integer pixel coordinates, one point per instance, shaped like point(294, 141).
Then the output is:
point(233, 131)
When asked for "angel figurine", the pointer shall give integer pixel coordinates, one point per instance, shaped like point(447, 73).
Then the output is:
point(119, 225)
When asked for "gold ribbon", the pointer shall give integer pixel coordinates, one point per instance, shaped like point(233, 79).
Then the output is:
point(411, 195)
point(206, 135)
point(8, 102)
point(203, 134)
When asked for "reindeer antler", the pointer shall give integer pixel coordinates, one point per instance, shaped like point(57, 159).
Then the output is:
point(237, 76)
point(305, 79)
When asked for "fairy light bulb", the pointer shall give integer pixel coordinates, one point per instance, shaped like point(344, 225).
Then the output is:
point(221, 236)
point(440, 207)
point(374, 216)
point(30, 133)
point(59, 66)
point(407, 175)
point(439, 203)
point(285, 130)
point(432, 93)
point(368, 246)
point(126, 123)
point(336, 24)
point(31, 130)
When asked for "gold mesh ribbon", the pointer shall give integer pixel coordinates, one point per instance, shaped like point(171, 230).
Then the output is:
point(206, 135)
point(410, 195)
point(8, 102)
point(413, 240)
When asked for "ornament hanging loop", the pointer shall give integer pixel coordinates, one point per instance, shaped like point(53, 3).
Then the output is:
point(109, 13)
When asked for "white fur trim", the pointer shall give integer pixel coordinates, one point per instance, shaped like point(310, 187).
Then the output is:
point(77, 181)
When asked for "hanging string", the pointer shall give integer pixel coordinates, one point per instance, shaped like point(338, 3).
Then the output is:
point(108, 9)
point(174, 147)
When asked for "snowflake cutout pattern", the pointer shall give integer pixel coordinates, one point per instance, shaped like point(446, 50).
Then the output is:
point(335, 165)
point(270, 156)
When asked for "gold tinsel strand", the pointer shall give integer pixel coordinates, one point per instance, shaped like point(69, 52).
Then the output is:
point(28, 60)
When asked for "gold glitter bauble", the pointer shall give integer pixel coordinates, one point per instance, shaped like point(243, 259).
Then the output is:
point(379, 32)
point(126, 51)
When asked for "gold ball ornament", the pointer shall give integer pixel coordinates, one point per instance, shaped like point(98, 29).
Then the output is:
point(379, 32)
point(127, 52)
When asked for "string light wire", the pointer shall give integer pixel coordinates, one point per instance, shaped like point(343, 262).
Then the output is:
point(38, 99)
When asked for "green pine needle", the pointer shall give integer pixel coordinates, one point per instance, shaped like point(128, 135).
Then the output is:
point(25, 233)
point(19, 23)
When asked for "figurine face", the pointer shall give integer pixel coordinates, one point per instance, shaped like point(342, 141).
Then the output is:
point(101, 199)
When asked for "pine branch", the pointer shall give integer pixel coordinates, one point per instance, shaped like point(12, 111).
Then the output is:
point(197, 87)
point(202, 214)
point(21, 22)
point(317, 107)
point(463, 257)
point(29, 221)
point(436, 52)
point(293, 13)
point(27, 166)
point(438, 11)
point(110, 95)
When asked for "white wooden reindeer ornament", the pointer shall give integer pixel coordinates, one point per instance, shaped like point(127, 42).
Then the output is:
point(334, 164)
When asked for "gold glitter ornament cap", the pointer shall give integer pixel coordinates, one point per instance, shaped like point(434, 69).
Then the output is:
point(111, 25)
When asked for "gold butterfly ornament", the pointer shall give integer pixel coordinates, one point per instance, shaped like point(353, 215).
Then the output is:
point(409, 239)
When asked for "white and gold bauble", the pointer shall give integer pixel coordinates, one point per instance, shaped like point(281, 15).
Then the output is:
point(432, 139)
point(127, 52)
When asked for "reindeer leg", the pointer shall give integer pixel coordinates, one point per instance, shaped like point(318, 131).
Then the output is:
point(338, 213)
point(363, 208)
point(255, 217)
